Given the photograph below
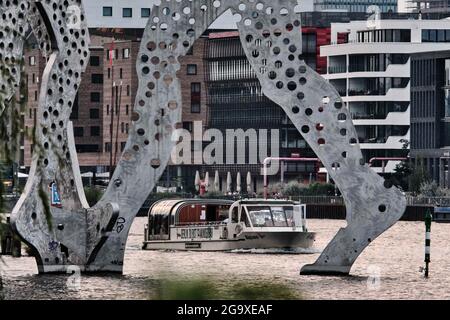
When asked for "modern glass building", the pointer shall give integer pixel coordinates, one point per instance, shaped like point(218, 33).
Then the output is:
point(355, 5)
point(430, 114)
point(438, 8)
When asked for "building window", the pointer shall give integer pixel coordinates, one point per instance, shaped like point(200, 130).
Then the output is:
point(127, 12)
point(97, 78)
point(126, 53)
point(109, 73)
point(145, 12)
point(107, 109)
point(191, 69)
point(196, 88)
point(128, 90)
point(94, 114)
point(78, 131)
point(127, 110)
point(121, 73)
point(127, 128)
point(122, 127)
point(195, 97)
point(95, 96)
point(35, 96)
point(95, 131)
point(32, 61)
point(188, 125)
point(107, 11)
point(94, 61)
point(195, 107)
point(107, 147)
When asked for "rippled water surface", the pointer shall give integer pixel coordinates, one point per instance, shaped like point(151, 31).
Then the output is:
point(395, 257)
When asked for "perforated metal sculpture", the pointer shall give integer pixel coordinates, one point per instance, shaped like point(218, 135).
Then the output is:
point(270, 32)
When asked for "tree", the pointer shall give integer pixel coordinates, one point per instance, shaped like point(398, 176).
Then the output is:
point(410, 176)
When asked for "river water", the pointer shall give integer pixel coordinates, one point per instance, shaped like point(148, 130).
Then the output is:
point(388, 269)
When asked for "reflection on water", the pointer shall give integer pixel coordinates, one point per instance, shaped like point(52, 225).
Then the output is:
point(388, 269)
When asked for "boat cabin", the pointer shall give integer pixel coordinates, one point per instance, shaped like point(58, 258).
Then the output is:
point(182, 213)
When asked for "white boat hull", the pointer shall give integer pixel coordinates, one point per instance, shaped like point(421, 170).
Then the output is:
point(246, 240)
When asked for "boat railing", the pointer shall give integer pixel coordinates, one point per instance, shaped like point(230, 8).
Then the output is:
point(411, 200)
point(318, 200)
point(429, 201)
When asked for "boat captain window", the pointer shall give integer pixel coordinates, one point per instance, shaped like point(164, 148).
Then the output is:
point(260, 216)
point(279, 217)
point(271, 216)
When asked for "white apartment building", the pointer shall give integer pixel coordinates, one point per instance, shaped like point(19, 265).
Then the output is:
point(369, 64)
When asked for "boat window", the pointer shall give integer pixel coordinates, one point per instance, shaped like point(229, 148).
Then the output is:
point(260, 216)
point(223, 212)
point(244, 218)
point(279, 217)
point(159, 227)
point(289, 211)
point(234, 215)
point(271, 216)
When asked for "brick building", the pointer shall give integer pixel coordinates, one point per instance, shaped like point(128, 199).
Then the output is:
point(92, 113)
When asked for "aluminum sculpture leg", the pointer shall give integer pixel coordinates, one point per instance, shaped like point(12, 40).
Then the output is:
point(272, 42)
point(65, 232)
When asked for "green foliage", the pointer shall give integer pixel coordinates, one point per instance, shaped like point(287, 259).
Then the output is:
point(409, 177)
point(319, 189)
point(202, 289)
point(213, 195)
point(432, 189)
point(93, 195)
point(295, 189)
point(400, 177)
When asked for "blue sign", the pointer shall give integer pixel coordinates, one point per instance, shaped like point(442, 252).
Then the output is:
point(55, 198)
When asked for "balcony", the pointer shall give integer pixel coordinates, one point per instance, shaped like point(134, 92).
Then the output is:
point(337, 69)
point(380, 117)
point(384, 142)
point(379, 94)
point(366, 92)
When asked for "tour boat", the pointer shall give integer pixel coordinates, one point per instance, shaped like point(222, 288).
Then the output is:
point(222, 225)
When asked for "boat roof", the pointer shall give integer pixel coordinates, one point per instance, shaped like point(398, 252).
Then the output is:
point(266, 202)
point(164, 207)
